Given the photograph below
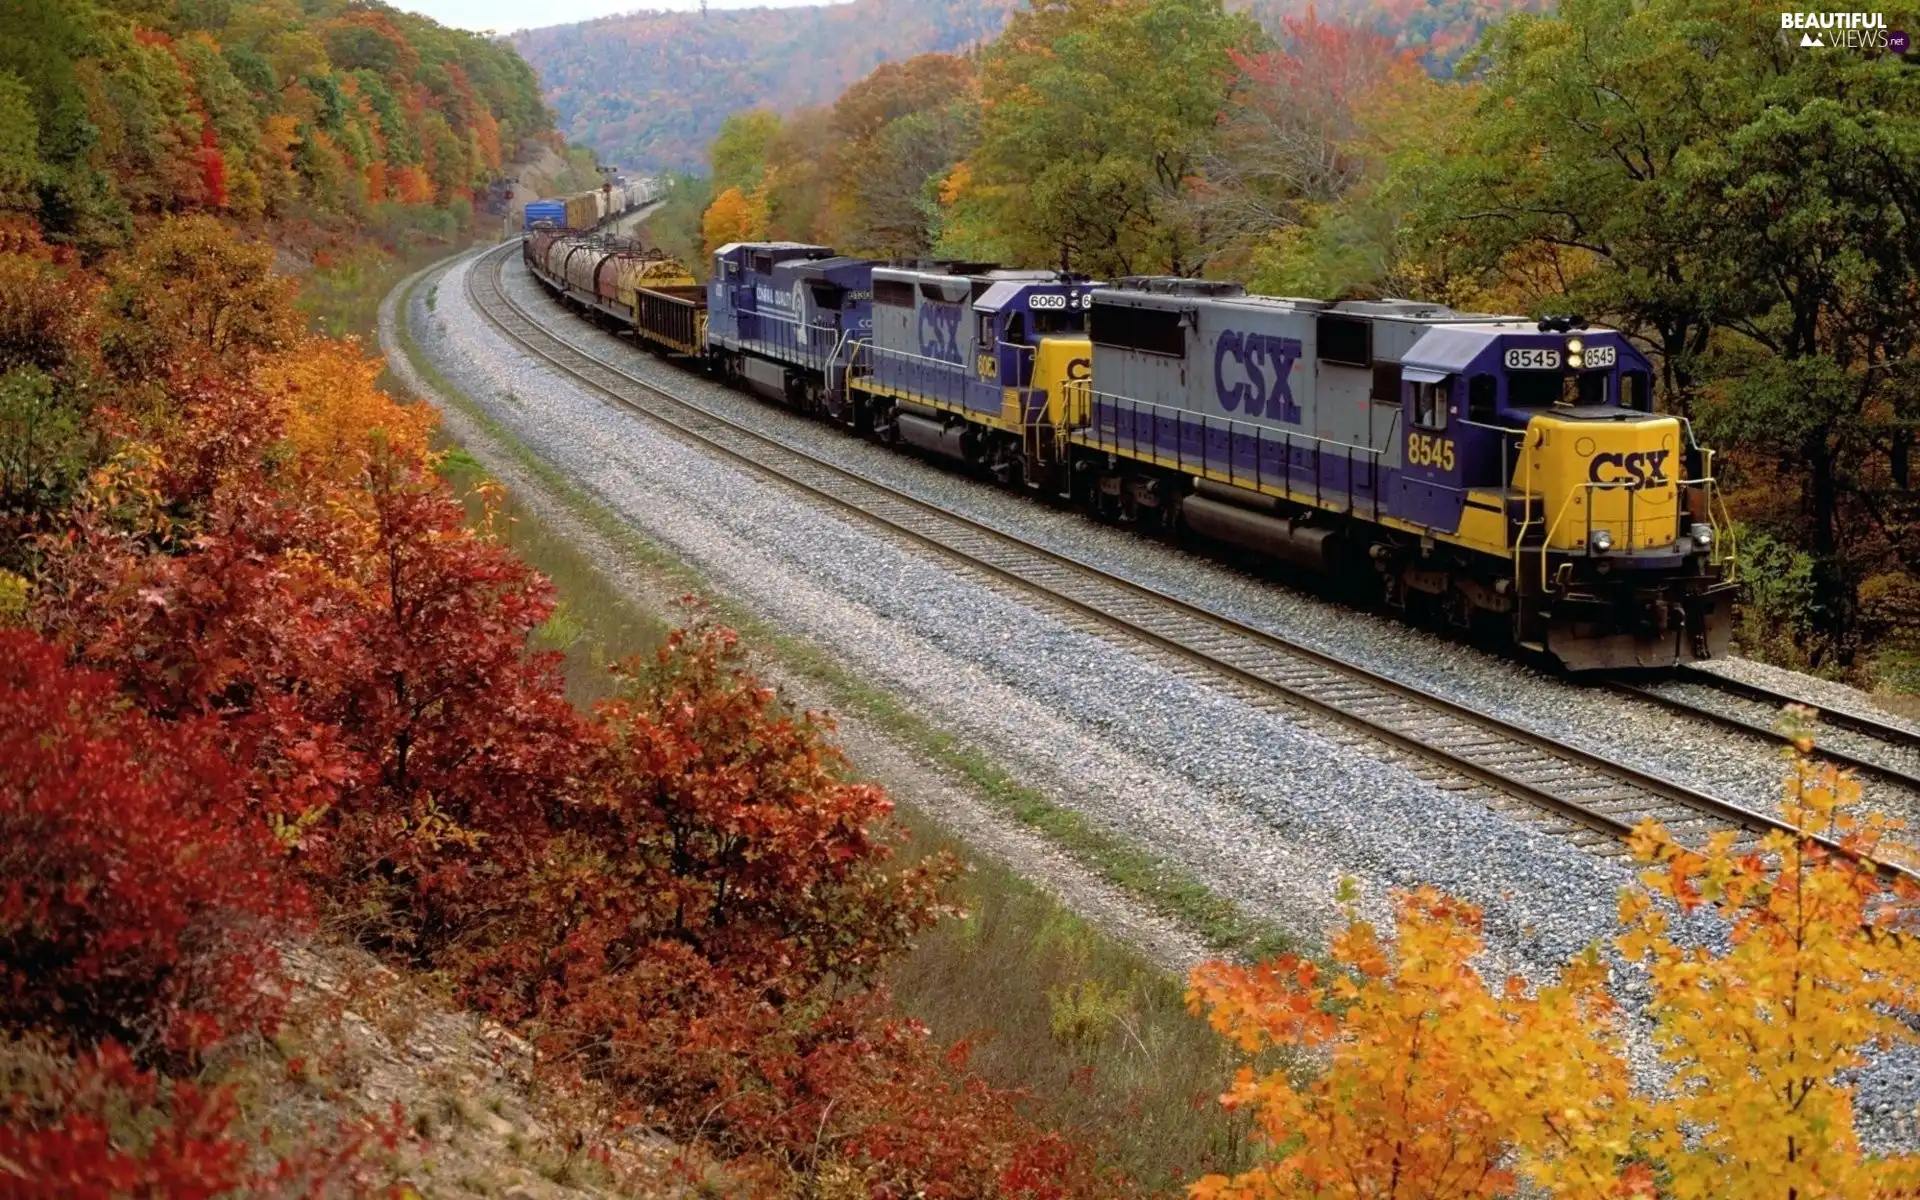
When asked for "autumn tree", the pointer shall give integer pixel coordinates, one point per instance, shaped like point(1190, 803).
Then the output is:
point(1298, 189)
point(898, 134)
point(1096, 116)
point(1431, 1076)
point(733, 217)
point(193, 300)
point(738, 155)
point(1439, 1083)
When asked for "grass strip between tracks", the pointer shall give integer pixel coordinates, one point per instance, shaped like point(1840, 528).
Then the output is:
point(1166, 887)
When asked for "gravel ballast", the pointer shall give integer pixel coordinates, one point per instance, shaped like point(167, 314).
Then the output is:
point(1266, 809)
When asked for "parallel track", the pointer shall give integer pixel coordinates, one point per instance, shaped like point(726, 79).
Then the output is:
point(1589, 799)
point(1884, 732)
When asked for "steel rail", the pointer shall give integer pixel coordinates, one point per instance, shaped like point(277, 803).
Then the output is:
point(1839, 718)
point(1734, 721)
point(1578, 785)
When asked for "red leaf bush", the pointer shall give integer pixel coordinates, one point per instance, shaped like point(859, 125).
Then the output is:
point(100, 1128)
point(137, 890)
point(366, 655)
point(704, 933)
point(106, 1129)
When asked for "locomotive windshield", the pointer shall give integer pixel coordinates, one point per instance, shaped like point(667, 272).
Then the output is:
point(1058, 320)
point(1551, 389)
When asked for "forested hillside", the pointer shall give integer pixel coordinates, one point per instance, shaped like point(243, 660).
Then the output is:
point(349, 114)
point(1437, 33)
point(649, 90)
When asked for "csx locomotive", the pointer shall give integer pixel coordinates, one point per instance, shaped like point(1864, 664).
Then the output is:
point(1490, 470)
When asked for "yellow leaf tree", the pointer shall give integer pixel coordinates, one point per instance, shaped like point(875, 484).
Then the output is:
point(1428, 1082)
point(1762, 1036)
point(338, 419)
point(734, 217)
point(1430, 1076)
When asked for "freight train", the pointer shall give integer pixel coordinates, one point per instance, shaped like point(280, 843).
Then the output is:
point(585, 210)
point(1483, 470)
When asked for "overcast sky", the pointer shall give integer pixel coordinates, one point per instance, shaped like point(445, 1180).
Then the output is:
point(504, 16)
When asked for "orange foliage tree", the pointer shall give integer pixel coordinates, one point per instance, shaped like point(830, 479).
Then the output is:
point(733, 217)
point(1438, 1084)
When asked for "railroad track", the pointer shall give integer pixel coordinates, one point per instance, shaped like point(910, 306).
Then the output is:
point(1756, 707)
point(1581, 795)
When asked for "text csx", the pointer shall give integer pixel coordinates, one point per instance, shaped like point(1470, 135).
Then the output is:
point(1250, 373)
point(1642, 468)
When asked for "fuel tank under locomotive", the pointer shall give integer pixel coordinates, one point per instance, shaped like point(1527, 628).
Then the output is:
point(1256, 523)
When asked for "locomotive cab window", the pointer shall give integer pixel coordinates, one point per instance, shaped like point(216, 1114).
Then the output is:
point(1635, 392)
point(1551, 389)
point(1481, 393)
point(1430, 405)
point(1057, 320)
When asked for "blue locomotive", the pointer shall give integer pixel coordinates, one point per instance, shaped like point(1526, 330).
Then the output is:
point(1485, 469)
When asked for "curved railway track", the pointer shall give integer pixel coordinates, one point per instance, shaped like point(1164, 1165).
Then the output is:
point(1578, 794)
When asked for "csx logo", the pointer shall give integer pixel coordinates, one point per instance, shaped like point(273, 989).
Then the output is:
point(939, 332)
point(1642, 468)
point(1079, 368)
point(1247, 382)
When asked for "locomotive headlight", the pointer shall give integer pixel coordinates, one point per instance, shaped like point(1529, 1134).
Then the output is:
point(1574, 361)
point(1602, 541)
point(1575, 345)
point(1702, 536)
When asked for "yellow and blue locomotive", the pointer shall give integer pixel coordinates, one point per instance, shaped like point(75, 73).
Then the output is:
point(1490, 470)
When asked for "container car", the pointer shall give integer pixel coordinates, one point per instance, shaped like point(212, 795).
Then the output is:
point(549, 213)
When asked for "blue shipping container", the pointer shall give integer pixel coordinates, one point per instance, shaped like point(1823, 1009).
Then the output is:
point(546, 212)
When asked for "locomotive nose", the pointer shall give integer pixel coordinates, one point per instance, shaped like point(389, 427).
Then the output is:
point(1608, 485)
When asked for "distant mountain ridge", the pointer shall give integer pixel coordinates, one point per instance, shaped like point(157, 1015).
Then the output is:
point(648, 90)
